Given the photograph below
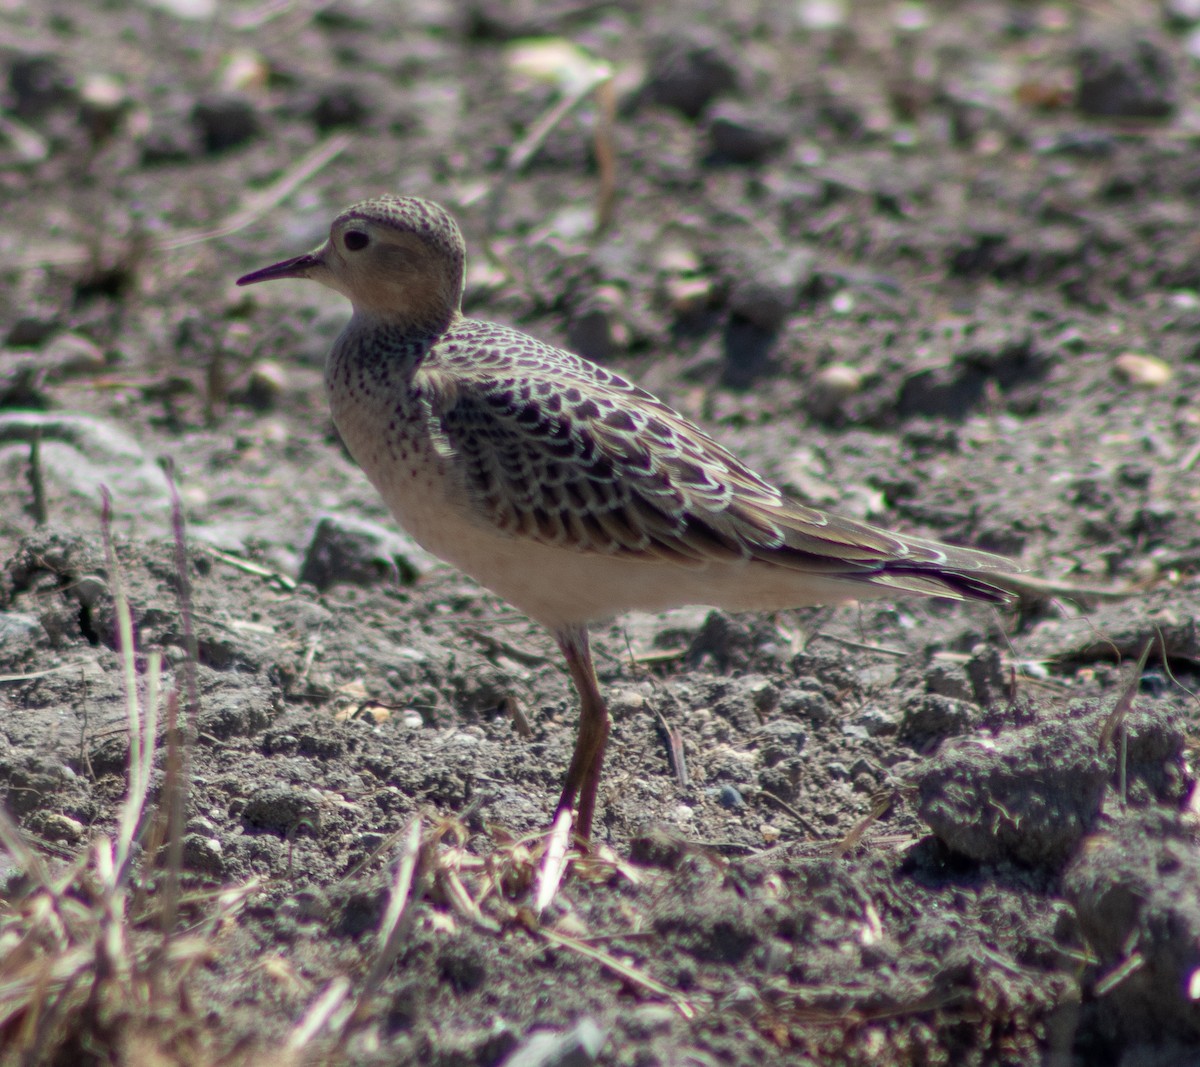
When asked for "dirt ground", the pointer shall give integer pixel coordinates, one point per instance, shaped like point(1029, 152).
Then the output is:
point(933, 265)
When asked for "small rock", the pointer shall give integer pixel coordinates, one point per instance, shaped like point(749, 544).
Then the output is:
point(72, 353)
point(873, 722)
point(947, 391)
point(281, 809)
point(1132, 79)
point(764, 291)
point(1142, 371)
point(809, 704)
point(656, 847)
point(781, 738)
point(192, 10)
point(360, 552)
point(571, 1048)
point(1083, 144)
point(932, 716)
point(687, 70)
point(747, 350)
point(339, 106)
point(688, 296)
point(38, 84)
point(627, 703)
point(244, 69)
point(674, 256)
point(745, 1001)
point(739, 135)
point(645, 1020)
point(948, 679)
point(170, 139)
point(58, 827)
point(821, 15)
point(103, 101)
point(265, 385)
point(729, 797)
point(224, 121)
point(30, 330)
point(203, 853)
point(597, 329)
point(911, 17)
point(988, 675)
point(764, 303)
point(830, 388)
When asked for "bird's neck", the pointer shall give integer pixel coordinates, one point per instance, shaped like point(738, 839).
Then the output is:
point(422, 320)
point(381, 348)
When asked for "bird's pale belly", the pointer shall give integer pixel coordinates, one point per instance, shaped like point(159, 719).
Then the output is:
point(564, 586)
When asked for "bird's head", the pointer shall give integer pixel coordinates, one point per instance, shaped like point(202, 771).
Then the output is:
point(398, 259)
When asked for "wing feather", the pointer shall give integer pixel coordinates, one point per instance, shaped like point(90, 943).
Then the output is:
point(570, 454)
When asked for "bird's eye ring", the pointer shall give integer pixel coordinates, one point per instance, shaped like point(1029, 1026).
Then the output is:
point(355, 240)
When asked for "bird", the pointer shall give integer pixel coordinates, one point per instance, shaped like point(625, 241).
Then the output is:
point(561, 486)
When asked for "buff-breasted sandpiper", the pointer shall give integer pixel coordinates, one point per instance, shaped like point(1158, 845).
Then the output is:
point(567, 490)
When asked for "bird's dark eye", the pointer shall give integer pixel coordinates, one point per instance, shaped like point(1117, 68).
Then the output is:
point(355, 240)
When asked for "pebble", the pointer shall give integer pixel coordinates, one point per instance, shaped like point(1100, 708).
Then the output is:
point(1142, 371)
point(202, 853)
point(818, 15)
point(361, 552)
point(597, 328)
point(38, 84)
point(567, 1048)
point(224, 121)
point(191, 10)
point(808, 704)
point(687, 70)
point(169, 139)
point(689, 296)
point(645, 1020)
point(875, 722)
point(765, 289)
point(102, 103)
point(72, 353)
point(1126, 78)
point(265, 385)
point(242, 69)
point(740, 135)
point(281, 808)
point(830, 388)
point(672, 256)
point(29, 330)
point(337, 106)
point(730, 798)
point(59, 827)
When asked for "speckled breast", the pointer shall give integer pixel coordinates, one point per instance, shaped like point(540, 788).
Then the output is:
point(380, 416)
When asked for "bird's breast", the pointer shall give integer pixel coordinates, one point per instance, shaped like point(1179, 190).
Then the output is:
point(377, 409)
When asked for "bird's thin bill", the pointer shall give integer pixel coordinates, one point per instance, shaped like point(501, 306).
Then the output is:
point(297, 267)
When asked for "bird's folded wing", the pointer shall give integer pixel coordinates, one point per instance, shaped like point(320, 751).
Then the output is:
point(583, 460)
